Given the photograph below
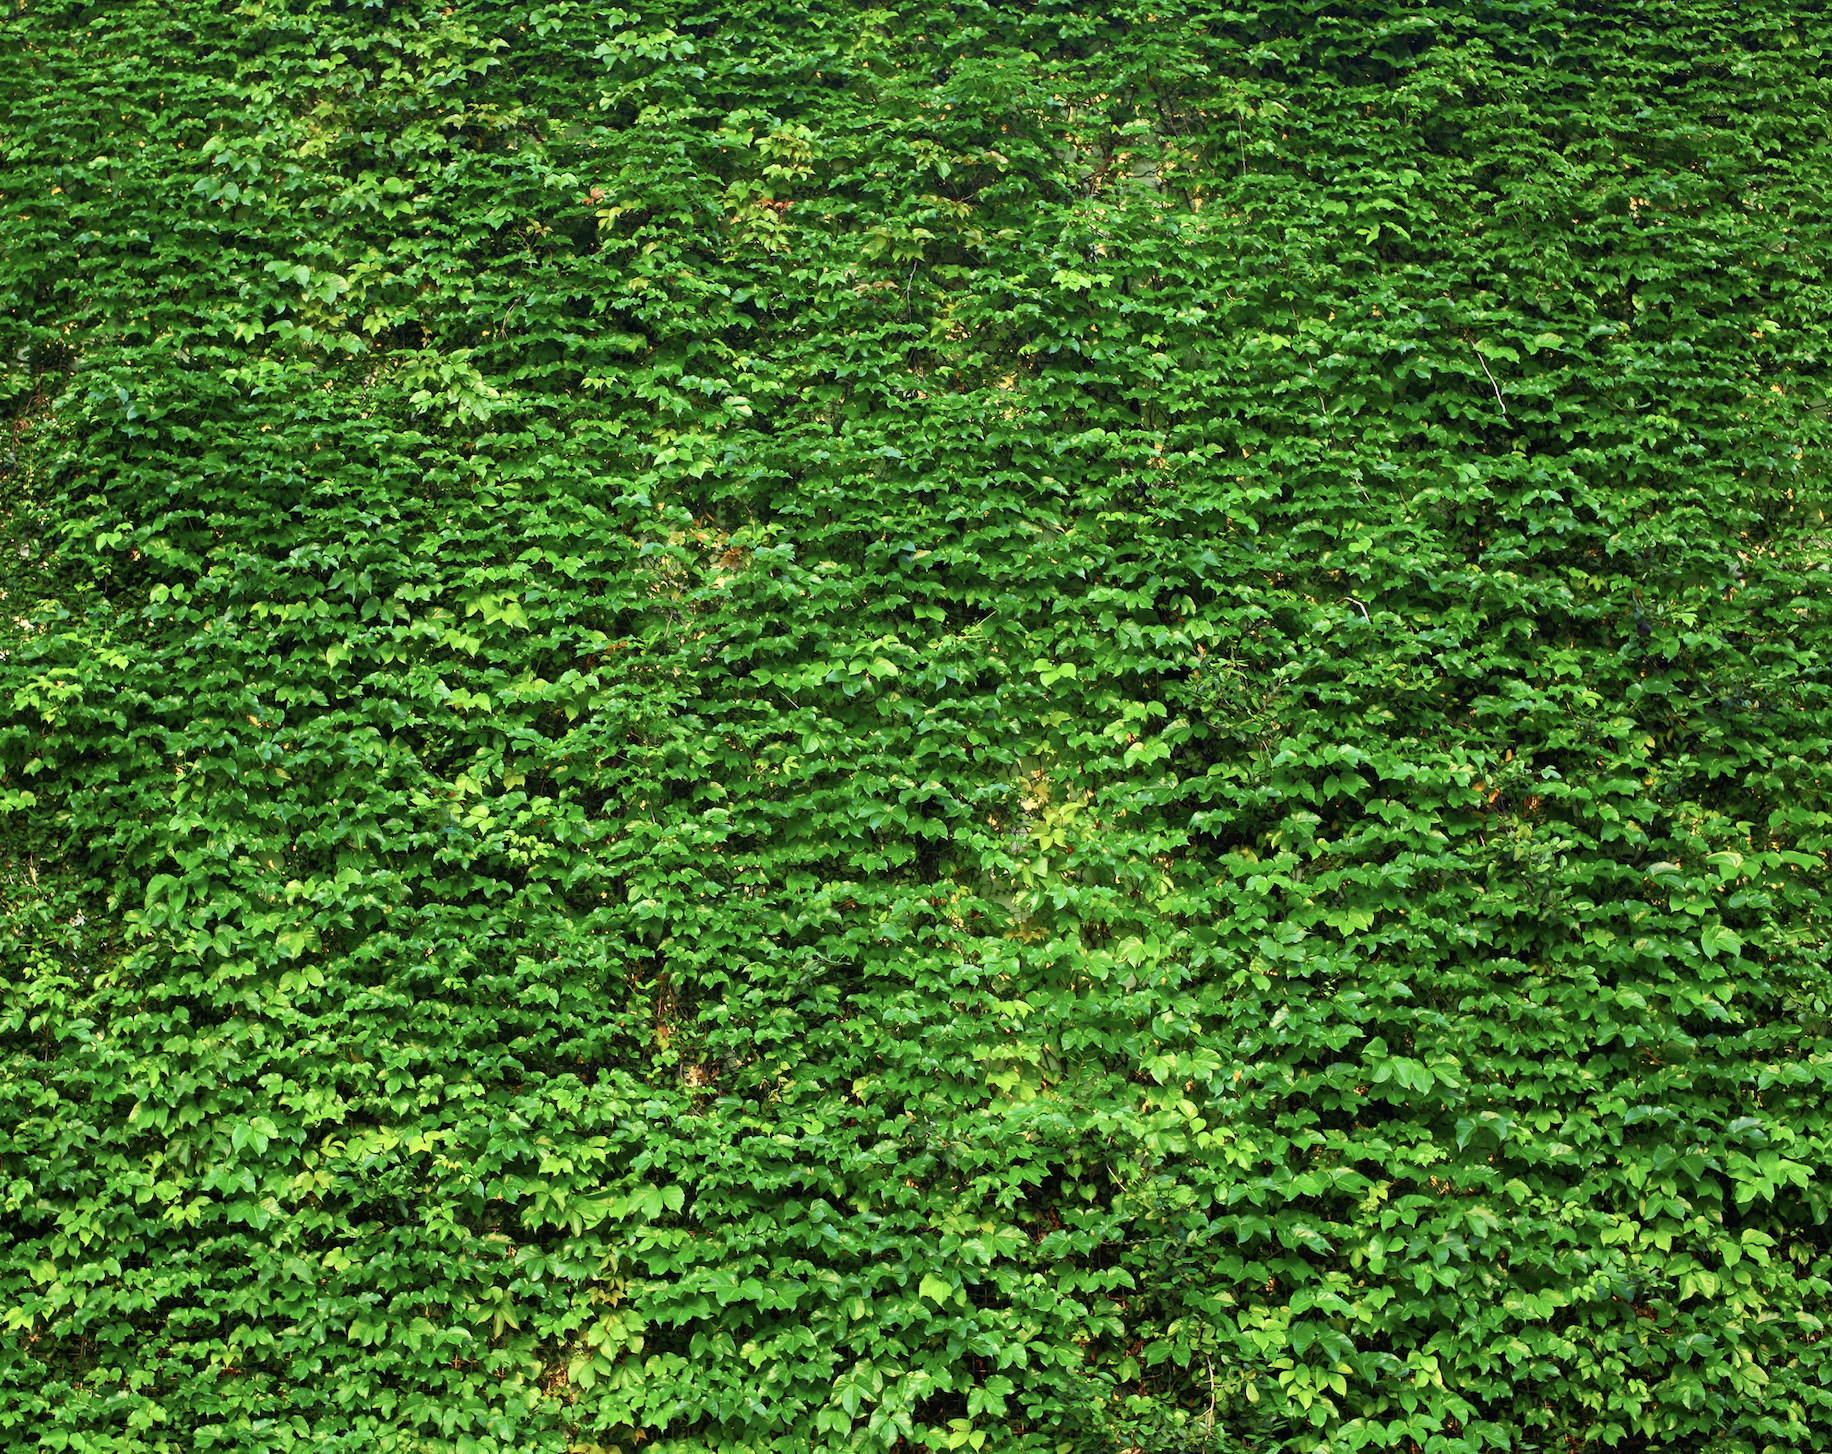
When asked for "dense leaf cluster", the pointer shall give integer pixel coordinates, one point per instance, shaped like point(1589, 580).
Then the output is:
point(1010, 726)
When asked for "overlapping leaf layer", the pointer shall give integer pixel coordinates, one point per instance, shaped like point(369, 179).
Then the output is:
point(1051, 727)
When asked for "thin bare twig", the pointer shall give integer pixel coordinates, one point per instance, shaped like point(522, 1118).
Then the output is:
point(1491, 378)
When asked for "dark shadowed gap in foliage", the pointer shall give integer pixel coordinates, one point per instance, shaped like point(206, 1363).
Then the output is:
point(1043, 727)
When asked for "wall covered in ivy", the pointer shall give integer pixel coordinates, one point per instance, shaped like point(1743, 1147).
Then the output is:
point(1048, 727)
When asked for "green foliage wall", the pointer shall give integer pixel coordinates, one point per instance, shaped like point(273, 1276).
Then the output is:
point(1052, 727)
